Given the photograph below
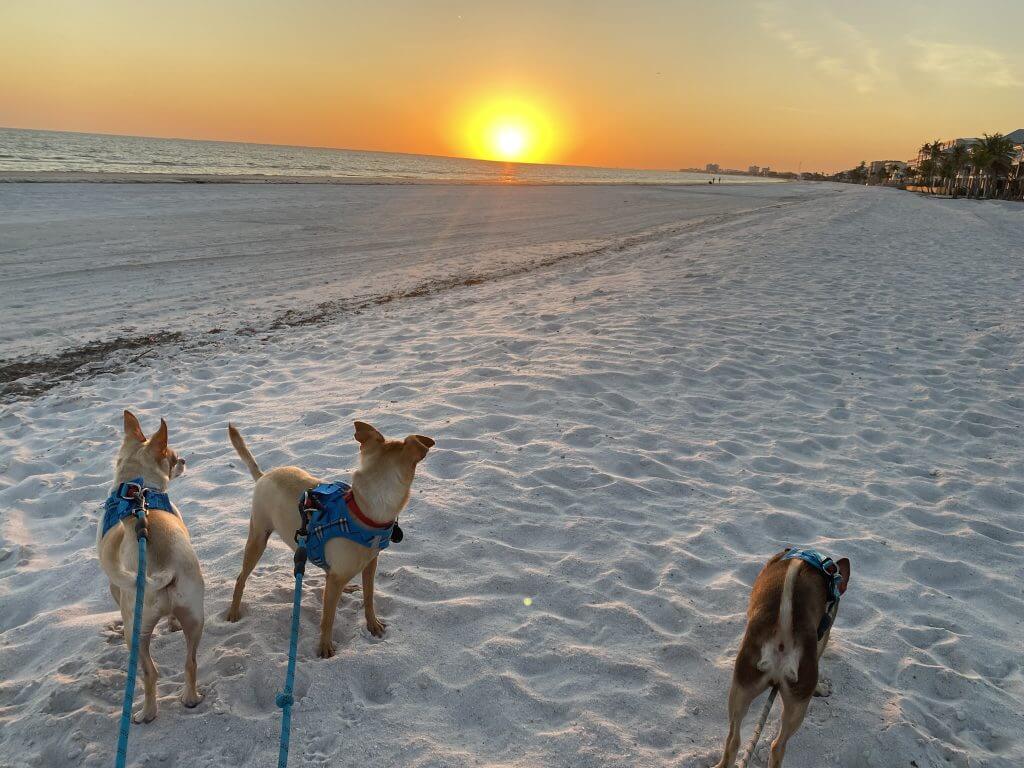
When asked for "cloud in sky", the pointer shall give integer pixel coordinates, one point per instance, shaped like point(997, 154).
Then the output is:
point(851, 57)
point(957, 64)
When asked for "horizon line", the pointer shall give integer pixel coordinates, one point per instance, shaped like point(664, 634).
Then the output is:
point(339, 149)
point(369, 151)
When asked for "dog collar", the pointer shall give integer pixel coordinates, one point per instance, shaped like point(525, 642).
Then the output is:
point(357, 513)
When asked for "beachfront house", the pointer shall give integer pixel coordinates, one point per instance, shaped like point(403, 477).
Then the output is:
point(1015, 181)
point(883, 171)
point(949, 166)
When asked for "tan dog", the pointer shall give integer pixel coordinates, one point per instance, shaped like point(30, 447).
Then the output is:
point(381, 488)
point(781, 647)
point(174, 582)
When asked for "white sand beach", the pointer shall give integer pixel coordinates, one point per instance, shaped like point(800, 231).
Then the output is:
point(638, 395)
point(195, 258)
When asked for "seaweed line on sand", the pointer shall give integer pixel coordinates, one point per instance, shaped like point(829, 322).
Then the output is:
point(28, 377)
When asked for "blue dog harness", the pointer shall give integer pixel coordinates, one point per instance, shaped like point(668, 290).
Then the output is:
point(126, 499)
point(333, 513)
point(834, 586)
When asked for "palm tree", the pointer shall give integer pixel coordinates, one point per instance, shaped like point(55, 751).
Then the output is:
point(927, 170)
point(957, 159)
point(935, 155)
point(946, 173)
point(992, 156)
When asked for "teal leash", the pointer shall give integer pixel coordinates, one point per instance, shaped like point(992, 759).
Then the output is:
point(285, 699)
point(142, 533)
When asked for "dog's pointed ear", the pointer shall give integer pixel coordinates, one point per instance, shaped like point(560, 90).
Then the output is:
point(367, 434)
point(132, 428)
point(844, 570)
point(418, 445)
point(157, 444)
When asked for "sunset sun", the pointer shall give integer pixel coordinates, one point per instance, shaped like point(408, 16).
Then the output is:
point(510, 130)
point(511, 141)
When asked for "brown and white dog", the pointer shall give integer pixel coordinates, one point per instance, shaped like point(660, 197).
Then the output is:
point(381, 489)
point(174, 582)
point(781, 647)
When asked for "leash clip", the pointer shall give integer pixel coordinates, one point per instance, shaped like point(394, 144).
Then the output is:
point(306, 504)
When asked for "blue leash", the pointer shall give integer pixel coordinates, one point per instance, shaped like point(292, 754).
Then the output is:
point(142, 532)
point(285, 700)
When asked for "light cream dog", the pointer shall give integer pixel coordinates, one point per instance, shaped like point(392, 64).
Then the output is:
point(381, 488)
point(174, 582)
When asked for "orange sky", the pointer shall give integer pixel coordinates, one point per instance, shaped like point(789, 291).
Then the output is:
point(635, 84)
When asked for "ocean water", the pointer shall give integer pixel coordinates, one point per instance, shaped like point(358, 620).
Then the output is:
point(25, 150)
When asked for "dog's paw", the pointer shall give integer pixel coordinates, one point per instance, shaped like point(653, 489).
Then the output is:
point(173, 625)
point(824, 687)
point(325, 650)
point(234, 614)
point(144, 715)
point(191, 699)
point(348, 588)
point(376, 627)
point(114, 631)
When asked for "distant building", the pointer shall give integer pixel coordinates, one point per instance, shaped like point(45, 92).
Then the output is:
point(711, 167)
point(765, 171)
point(1016, 180)
point(753, 170)
point(969, 180)
point(890, 167)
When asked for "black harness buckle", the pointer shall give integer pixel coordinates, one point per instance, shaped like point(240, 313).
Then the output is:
point(306, 504)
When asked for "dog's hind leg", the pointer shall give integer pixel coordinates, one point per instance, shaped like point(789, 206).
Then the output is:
point(116, 627)
point(193, 629)
point(740, 697)
point(793, 711)
point(150, 673)
point(255, 545)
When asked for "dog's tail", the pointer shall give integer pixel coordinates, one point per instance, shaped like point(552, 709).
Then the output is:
point(154, 582)
point(243, 452)
point(786, 601)
point(780, 655)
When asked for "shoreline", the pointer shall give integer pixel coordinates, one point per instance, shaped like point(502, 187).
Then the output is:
point(110, 177)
